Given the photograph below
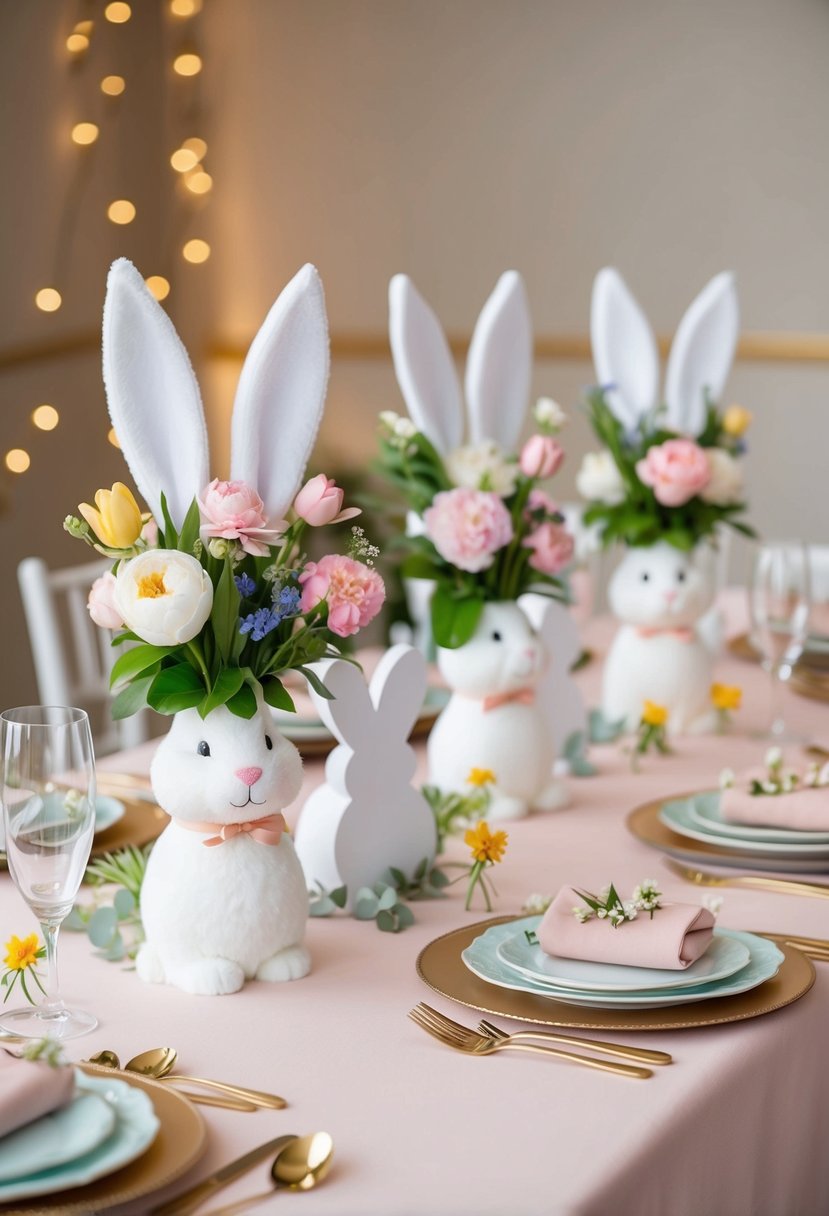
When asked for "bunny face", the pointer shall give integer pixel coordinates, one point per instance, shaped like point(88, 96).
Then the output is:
point(225, 768)
point(661, 588)
point(503, 655)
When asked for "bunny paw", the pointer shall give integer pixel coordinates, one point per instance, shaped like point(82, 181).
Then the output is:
point(148, 965)
point(553, 797)
point(210, 977)
point(290, 964)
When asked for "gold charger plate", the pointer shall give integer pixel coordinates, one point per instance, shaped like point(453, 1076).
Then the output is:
point(441, 967)
point(141, 822)
point(814, 661)
point(178, 1146)
point(808, 683)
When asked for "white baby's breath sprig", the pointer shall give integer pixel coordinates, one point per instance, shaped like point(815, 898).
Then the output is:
point(549, 415)
point(536, 904)
point(608, 905)
point(727, 779)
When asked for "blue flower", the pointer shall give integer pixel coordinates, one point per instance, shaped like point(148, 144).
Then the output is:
point(288, 601)
point(260, 623)
point(246, 585)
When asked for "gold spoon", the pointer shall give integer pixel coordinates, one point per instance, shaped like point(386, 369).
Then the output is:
point(109, 1059)
point(299, 1166)
point(159, 1063)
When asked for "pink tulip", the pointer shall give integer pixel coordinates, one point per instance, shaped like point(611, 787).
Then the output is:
point(101, 602)
point(354, 592)
point(676, 470)
point(552, 547)
point(541, 456)
point(319, 502)
point(234, 511)
point(468, 527)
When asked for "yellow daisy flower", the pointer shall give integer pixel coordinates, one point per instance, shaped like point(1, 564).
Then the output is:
point(486, 845)
point(21, 953)
point(480, 777)
point(653, 714)
point(726, 696)
point(736, 420)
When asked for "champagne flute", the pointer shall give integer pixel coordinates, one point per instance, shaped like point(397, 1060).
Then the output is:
point(780, 601)
point(48, 795)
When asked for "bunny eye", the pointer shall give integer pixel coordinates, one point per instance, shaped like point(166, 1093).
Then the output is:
point(204, 748)
point(680, 576)
point(496, 635)
point(645, 577)
point(269, 743)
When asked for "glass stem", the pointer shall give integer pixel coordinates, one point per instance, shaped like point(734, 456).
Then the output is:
point(53, 1003)
point(778, 724)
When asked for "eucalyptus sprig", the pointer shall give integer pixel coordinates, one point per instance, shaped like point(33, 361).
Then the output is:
point(114, 928)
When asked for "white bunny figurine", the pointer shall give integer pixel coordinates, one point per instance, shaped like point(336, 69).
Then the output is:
point(224, 897)
point(559, 696)
point(495, 719)
point(367, 816)
point(660, 593)
point(497, 387)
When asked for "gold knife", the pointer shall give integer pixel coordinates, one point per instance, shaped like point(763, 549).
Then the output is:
point(190, 1200)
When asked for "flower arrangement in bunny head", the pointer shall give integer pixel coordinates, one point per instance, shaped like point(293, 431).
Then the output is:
point(217, 607)
point(480, 525)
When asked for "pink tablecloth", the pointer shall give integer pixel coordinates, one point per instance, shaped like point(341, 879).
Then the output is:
point(738, 1126)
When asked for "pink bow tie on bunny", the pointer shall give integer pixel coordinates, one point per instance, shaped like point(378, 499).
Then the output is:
point(267, 830)
point(683, 633)
point(521, 696)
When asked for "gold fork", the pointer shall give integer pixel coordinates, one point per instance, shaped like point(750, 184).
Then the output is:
point(462, 1038)
point(785, 886)
point(643, 1054)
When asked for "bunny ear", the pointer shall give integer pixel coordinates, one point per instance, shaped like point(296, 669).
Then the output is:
point(701, 354)
point(424, 366)
point(152, 394)
point(499, 364)
point(625, 354)
point(281, 394)
point(398, 687)
point(350, 715)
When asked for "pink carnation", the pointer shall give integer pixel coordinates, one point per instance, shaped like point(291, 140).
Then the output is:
point(552, 547)
point(101, 603)
point(354, 592)
point(467, 527)
point(234, 511)
point(676, 470)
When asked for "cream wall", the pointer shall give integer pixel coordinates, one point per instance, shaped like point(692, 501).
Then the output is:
point(448, 138)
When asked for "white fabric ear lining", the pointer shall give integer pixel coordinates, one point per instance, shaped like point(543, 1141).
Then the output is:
point(702, 353)
point(625, 353)
point(499, 364)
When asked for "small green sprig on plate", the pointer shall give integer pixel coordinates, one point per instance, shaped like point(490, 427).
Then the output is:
point(608, 904)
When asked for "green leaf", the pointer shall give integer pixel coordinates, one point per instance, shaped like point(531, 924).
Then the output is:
point(316, 683)
point(365, 904)
point(387, 900)
point(418, 565)
point(74, 923)
point(124, 903)
point(454, 620)
point(190, 528)
point(339, 896)
point(224, 615)
point(134, 661)
point(175, 688)
point(323, 905)
point(438, 879)
point(243, 702)
point(601, 729)
point(405, 916)
point(277, 695)
point(102, 927)
point(386, 921)
point(227, 684)
point(167, 534)
point(132, 698)
point(117, 949)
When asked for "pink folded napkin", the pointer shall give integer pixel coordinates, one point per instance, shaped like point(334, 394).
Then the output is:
point(676, 937)
point(804, 810)
point(29, 1089)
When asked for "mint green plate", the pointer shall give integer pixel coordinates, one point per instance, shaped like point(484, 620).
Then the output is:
point(64, 1135)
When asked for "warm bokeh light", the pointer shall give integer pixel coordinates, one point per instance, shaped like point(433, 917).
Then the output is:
point(77, 43)
point(113, 438)
point(199, 182)
point(185, 8)
point(117, 12)
point(160, 288)
point(196, 250)
point(113, 86)
point(48, 299)
point(122, 211)
point(84, 133)
point(183, 159)
point(17, 460)
point(45, 417)
point(187, 64)
point(195, 145)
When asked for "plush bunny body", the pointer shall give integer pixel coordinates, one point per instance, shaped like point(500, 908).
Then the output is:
point(218, 914)
point(660, 594)
point(494, 719)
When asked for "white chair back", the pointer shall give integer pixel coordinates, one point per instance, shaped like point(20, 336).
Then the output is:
point(72, 655)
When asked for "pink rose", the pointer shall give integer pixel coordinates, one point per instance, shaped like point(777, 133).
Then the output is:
point(319, 502)
point(676, 470)
point(552, 547)
point(354, 592)
point(467, 527)
point(541, 456)
point(101, 602)
point(537, 500)
point(231, 509)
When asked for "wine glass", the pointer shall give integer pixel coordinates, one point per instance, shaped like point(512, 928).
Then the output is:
point(780, 601)
point(48, 795)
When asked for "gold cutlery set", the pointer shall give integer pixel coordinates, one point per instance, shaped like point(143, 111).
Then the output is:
point(158, 1064)
point(760, 882)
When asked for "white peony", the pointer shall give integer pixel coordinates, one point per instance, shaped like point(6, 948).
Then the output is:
point(482, 466)
point(164, 596)
point(549, 414)
point(726, 484)
point(599, 480)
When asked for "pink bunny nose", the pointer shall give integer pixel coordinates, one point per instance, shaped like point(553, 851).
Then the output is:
point(670, 596)
point(530, 653)
point(249, 775)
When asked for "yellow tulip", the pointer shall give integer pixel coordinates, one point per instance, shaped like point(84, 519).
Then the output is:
point(736, 420)
point(115, 519)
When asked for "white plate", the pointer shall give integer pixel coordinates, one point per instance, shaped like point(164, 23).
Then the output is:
point(724, 957)
point(136, 1126)
point(704, 811)
point(482, 959)
point(63, 1135)
point(677, 816)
